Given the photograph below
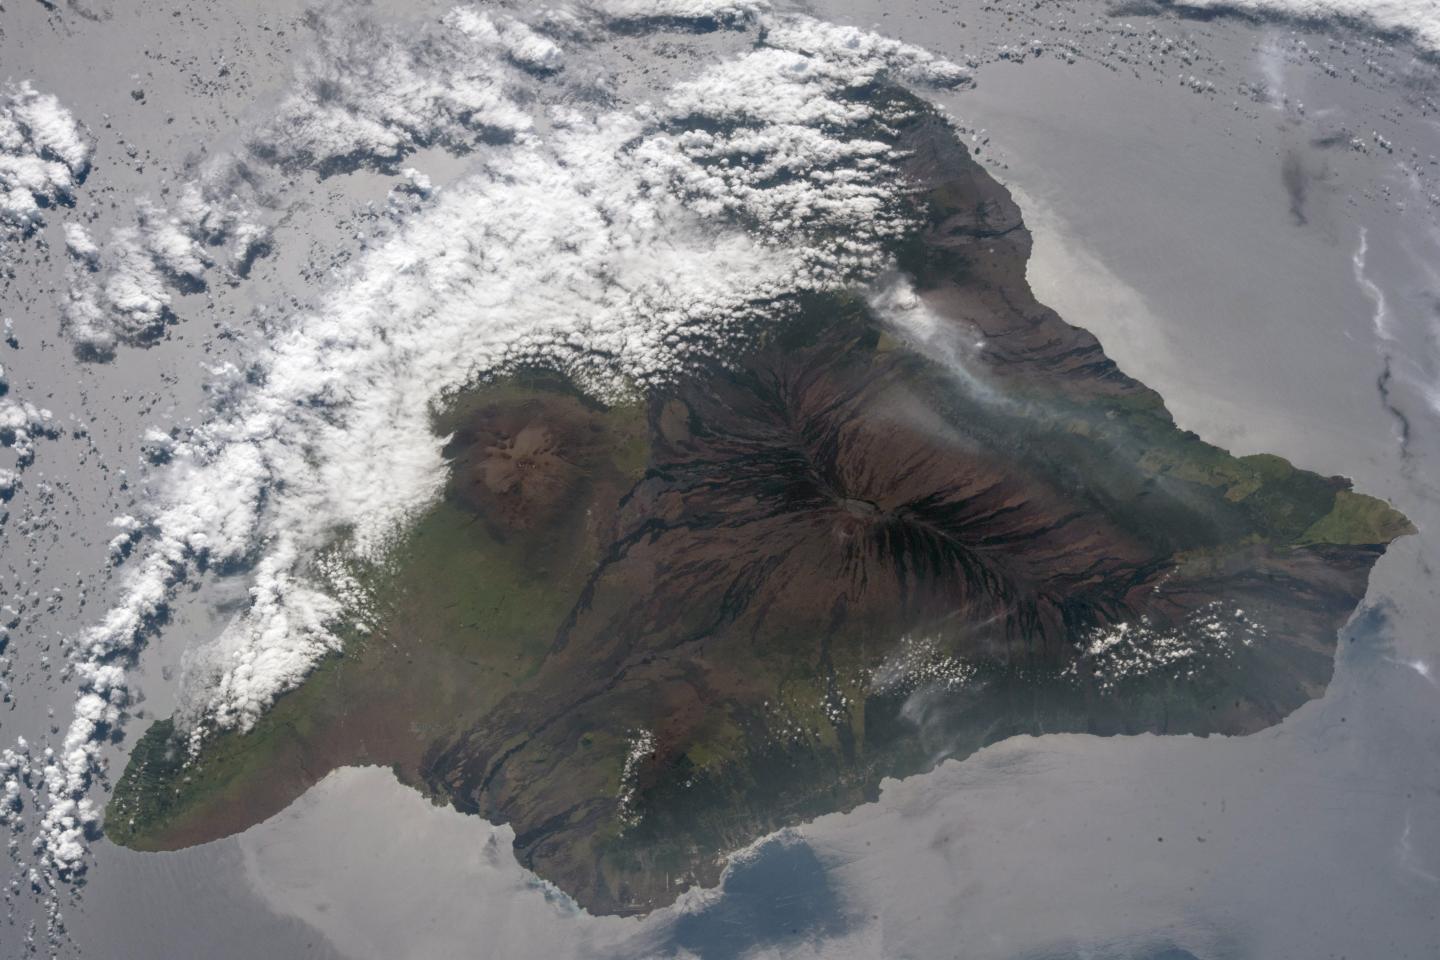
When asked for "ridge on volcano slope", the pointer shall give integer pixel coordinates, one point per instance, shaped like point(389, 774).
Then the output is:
point(898, 528)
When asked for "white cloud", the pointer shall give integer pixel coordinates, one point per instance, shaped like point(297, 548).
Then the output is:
point(121, 544)
point(221, 208)
point(171, 246)
point(85, 322)
point(123, 292)
point(80, 246)
point(1125, 651)
point(134, 289)
point(620, 245)
point(717, 11)
point(522, 45)
point(368, 93)
point(44, 155)
point(1417, 18)
point(864, 52)
point(21, 424)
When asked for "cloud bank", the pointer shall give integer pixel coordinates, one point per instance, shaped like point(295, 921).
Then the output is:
point(695, 13)
point(616, 243)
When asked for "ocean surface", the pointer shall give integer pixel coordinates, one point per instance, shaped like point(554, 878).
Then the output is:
point(1233, 251)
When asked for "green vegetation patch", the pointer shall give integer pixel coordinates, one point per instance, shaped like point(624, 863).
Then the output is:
point(466, 613)
point(1358, 519)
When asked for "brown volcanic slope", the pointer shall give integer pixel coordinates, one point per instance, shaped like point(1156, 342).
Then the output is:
point(852, 551)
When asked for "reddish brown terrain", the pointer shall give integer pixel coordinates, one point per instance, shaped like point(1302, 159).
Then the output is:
point(878, 538)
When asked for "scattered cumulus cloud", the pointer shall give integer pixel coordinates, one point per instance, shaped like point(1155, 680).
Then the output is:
point(122, 292)
point(44, 156)
point(21, 425)
point(619, 244)
point(1419, 19)
point(366, 94)
point(369, 94)
point(696, 12)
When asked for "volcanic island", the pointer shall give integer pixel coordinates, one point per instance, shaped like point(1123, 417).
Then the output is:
point(645, 634)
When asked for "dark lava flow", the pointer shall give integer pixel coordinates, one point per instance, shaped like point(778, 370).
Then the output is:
point(996, 488)
point(880, 538)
